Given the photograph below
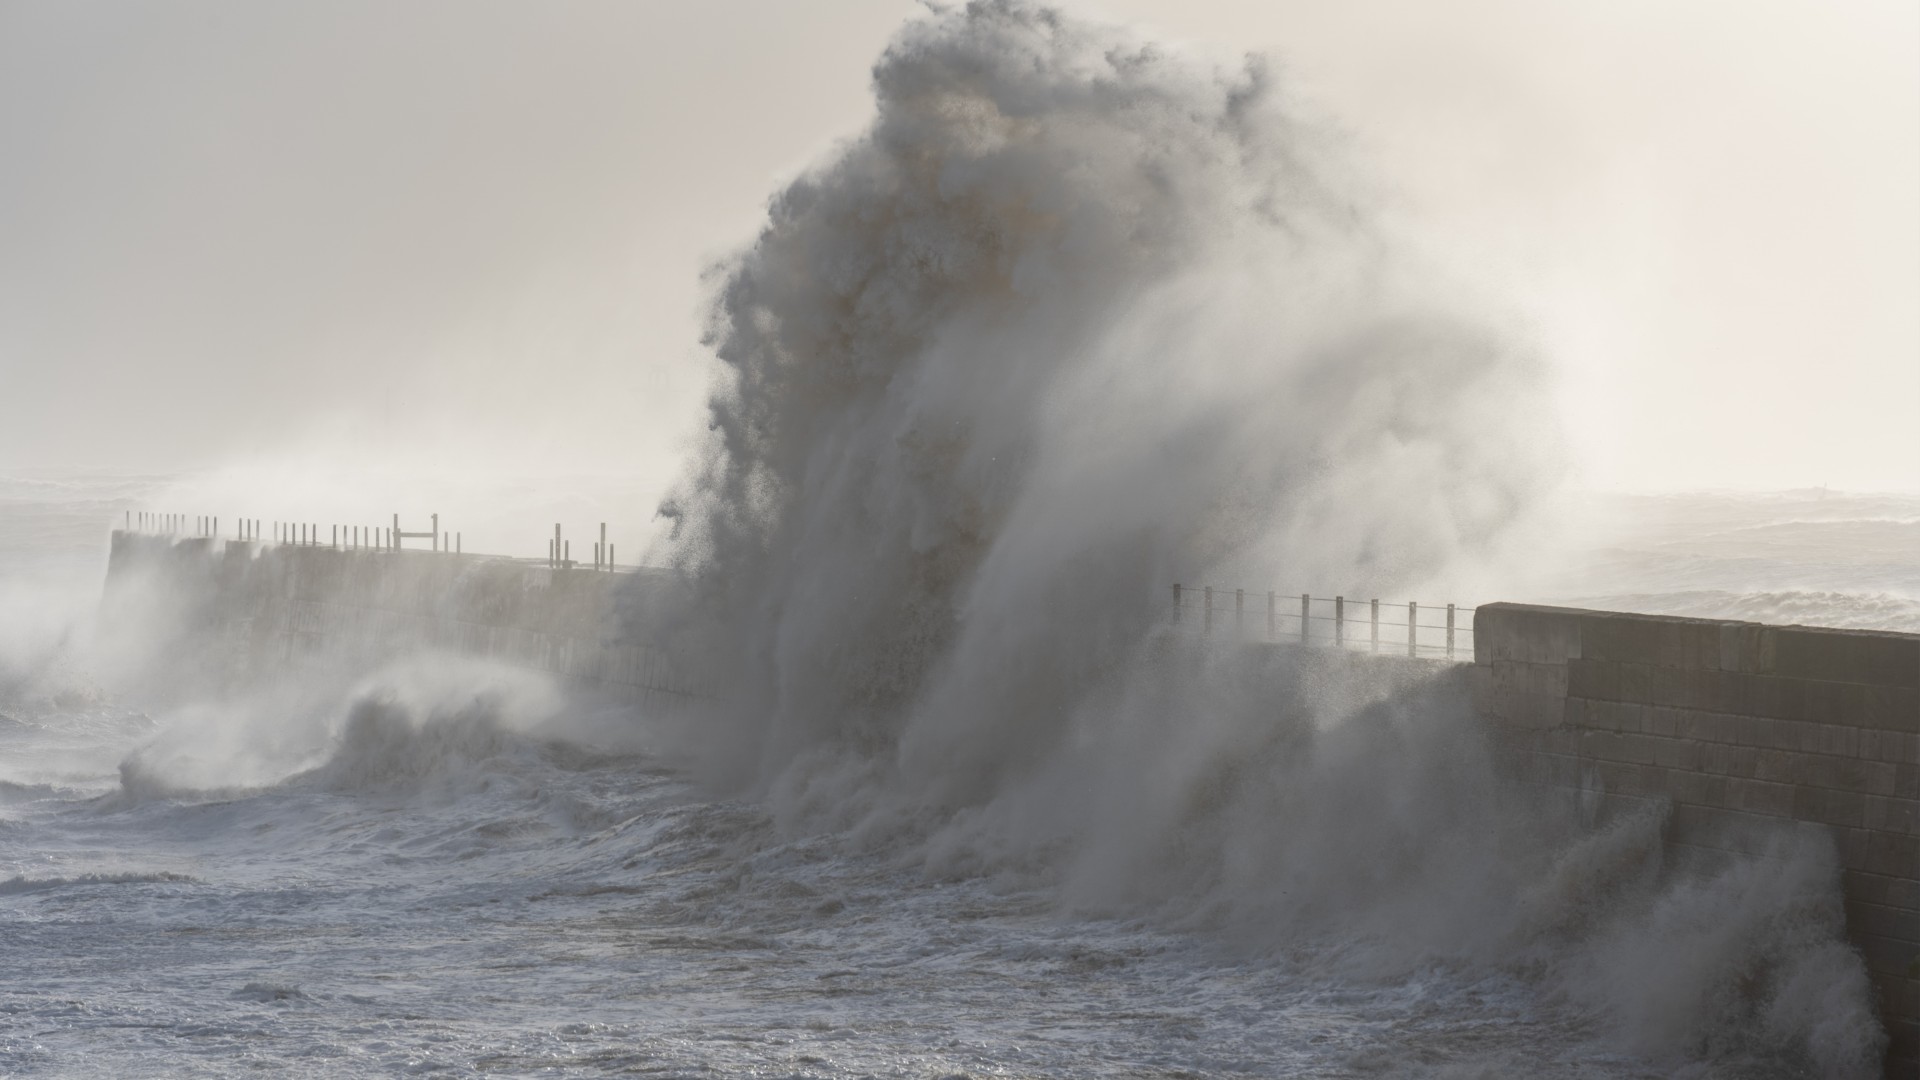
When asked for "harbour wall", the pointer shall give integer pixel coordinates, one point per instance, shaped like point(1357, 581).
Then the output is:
point(238, 610)
point(1741, 729)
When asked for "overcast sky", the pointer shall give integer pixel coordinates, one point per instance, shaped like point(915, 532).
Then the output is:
point(471, 233)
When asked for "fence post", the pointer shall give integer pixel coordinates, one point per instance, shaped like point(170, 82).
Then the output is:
point(1176, 603)
point(1413, 628)
point(1206, 621)
point(1340, 620)
point(1305, 602)
point(602, 547)
point(1240, 612)
point(1449, 631)
point(436, 532)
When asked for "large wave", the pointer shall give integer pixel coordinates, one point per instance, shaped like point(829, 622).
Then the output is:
point(1081, 315)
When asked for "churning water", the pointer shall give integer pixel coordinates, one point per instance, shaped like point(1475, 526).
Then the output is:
point(1076, 316)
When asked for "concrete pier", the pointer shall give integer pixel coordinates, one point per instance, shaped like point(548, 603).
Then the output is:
point(1742, 728)
point(241, 610)
point(1739, 728)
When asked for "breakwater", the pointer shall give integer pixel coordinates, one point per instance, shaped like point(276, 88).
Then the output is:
point(238, 610)
point(1742, 729)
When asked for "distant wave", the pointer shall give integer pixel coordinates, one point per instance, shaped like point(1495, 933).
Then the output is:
point(14, 886)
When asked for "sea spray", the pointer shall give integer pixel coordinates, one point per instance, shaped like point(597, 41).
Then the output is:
point(1079, 316)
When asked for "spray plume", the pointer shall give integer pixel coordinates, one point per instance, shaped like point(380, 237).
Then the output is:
point(1076, 317)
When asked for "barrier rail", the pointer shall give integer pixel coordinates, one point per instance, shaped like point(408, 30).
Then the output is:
point(360, 537)
point(1447, 637)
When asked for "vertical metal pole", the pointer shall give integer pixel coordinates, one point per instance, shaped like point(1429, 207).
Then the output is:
point(1375, 612)
point(436, 532)
point(456, 543)
point(1305, 603)
point(609, 558)
point(1206, 621)
point(556, 545)
point(566, 553)
point(396, 532)
point(1176, 603)
point(1449, 631)
point(1339, 620)
point(600, 549)
point(1413, 628)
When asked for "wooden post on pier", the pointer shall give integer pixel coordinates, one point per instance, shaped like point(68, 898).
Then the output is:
point(1374, 612)
point(1413, 628)
point(436, 532)
point(1339, 620)
point(600, 549)
point(1449, 631)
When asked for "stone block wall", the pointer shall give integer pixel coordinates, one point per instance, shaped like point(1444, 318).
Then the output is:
point(1739, 725)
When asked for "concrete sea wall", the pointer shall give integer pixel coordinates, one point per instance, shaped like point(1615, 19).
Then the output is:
point(239, 610)
point(1742, 728)
point(1739, 728)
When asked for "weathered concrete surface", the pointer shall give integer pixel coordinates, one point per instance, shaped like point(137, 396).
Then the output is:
point(1739, 725)
point(240, 610)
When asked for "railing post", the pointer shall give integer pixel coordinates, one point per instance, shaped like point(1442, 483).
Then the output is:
point(436, 532)
point(1374, 615)
point(396, 532)
point(1413, 628)
point(1240, 612)
point(1449, 631)
point(1206, 621)
point(1340, 620)
point(1176, 603)
point(1305, 604)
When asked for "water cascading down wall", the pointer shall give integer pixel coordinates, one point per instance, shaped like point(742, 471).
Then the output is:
point(1741, 729)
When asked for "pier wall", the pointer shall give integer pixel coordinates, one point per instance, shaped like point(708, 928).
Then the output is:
point(240, 610)
point(1742, 728)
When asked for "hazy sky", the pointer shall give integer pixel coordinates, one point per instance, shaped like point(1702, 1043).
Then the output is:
point(471, 233)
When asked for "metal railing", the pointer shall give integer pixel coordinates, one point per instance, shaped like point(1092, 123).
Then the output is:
point(358, 537)
point(1436, 631)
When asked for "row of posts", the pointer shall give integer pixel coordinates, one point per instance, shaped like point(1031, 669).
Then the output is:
point(350, 537)
point(560, 551)
point(1306, 616)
